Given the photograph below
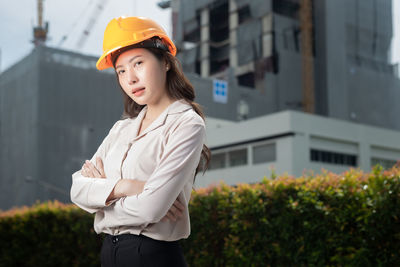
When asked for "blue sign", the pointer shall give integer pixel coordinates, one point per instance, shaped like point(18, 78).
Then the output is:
point(220, 91)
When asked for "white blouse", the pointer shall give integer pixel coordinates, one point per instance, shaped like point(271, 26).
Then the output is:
point(165, 155)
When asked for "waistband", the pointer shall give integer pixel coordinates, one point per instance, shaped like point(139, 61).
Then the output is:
point(117, 238)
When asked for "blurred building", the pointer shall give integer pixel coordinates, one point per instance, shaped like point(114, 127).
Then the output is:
point(246, 61)
point(257, 44)
point(55, 109)
point(327, 58)
point(294, 143)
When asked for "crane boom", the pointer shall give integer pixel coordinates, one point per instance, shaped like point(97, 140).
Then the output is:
point(40, 12)
point(92, 21)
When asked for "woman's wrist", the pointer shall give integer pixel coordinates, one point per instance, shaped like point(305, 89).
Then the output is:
point(125, 188)
point(118, 190)
point(130, 187)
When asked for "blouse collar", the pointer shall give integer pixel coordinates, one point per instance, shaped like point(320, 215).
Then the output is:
point(177, 106)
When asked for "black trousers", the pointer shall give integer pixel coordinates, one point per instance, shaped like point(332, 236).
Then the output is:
point(134, 250)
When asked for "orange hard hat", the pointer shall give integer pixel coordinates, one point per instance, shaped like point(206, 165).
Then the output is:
point(125, 31)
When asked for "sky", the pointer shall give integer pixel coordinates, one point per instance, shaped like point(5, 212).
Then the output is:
point(67, 18)
point(71, 17)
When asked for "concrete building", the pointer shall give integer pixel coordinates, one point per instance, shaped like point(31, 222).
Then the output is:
point(55, 109)
point(257, 44)
point(292, 142)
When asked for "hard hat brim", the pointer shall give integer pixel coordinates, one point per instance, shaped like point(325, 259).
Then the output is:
point(105, 60)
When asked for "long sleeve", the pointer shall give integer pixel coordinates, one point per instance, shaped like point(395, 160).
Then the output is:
point(175, 168)
point(90, 194)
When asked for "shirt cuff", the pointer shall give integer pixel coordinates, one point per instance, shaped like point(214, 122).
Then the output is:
point(99, 191)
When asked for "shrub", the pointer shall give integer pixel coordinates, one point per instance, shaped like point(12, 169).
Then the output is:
point(48, 234)
point(349, 219)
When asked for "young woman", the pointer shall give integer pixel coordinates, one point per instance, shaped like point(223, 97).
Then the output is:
point(140, 179)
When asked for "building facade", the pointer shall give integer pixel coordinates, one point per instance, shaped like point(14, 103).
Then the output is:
point(294, 143)
point(55, 109)
point(256, 44)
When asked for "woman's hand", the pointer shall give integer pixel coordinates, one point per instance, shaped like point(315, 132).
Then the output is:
point(175, 212)
point(89, 170)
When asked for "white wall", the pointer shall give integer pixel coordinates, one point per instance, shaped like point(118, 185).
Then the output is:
point(295, 134)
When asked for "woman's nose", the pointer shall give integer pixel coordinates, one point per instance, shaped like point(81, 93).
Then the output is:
point(132, 77)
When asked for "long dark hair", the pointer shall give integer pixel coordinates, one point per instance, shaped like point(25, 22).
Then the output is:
point(178, 87)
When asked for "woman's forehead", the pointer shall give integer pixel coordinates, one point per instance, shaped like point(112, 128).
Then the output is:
point(131, 54)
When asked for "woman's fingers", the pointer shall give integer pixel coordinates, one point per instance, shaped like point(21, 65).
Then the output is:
point(83, 170)
point(89, 170)
point(100, 167)
point(176, 211)
point(167, 217)
point(179, 205)
point(171, 216)
point(86, 170)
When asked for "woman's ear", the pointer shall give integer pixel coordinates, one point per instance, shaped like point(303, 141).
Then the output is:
point(166, 64)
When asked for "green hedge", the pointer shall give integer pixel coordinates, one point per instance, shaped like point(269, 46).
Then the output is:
point(48, 234)
point(349, 219)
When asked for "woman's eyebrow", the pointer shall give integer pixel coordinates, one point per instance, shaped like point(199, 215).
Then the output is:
point(130, 60)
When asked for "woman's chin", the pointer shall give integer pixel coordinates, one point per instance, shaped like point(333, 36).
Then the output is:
point(139, 101)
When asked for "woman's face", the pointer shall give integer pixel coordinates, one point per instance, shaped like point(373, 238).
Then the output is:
point(142, 76)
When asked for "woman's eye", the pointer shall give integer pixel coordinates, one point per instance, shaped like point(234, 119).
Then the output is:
point(138, 63)
point(120, 72)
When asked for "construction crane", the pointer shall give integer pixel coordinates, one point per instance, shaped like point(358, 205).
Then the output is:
point(77, 20)
point(92, 21)
point(40, 31)
point(307, 72)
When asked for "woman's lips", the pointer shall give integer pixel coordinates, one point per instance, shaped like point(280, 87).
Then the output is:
point(138, 92)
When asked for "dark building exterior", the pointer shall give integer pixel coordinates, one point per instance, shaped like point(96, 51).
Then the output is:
point(257, 44)
point(55, 109)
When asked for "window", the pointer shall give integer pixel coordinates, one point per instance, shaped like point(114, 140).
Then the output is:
point(219, 21)
point(333, 157)
point(288, 8)
point(229, 158)
point(385, 163)
point(217, 161)
point(238, 157)
point(244, 14)
point(219, 36)
point(264, 153)
point(247, 79)
point(219, 58)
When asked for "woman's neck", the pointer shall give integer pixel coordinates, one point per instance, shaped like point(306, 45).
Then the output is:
point(153, 111)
